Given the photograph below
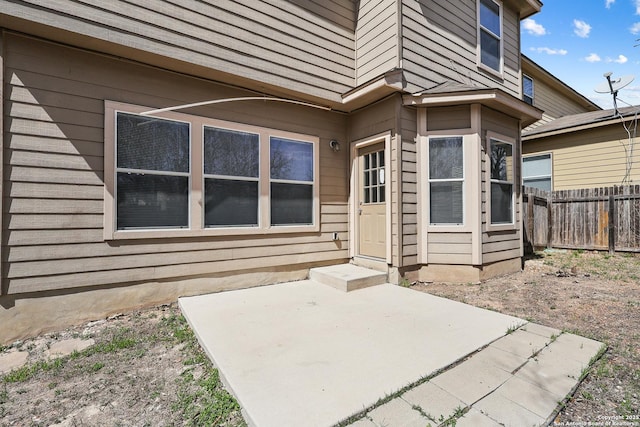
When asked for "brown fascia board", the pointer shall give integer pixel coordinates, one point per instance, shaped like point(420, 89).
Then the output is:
point(558, 84)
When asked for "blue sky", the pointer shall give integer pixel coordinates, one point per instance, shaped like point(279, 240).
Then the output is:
point(580, 40)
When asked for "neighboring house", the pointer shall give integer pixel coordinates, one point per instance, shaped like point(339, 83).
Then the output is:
point(546, 92)
point(595, 149)
point(399, 149)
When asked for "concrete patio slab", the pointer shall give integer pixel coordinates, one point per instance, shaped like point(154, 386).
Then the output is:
point(522, 343)
point(507, 412)
point(537, 400)
point(303, 353)
point(475, 418)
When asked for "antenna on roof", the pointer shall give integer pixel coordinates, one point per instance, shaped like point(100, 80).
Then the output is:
point(613, 86)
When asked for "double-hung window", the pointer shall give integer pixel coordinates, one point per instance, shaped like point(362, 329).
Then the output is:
point(446, 181)
point(502, 182)
point(152, 173)
point(537, 171)
point(527, 89)
point(183, 175)
point(490, 34)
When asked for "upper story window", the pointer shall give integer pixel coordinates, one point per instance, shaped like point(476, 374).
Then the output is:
point(490, 34)
point(527, 89)
point(184, 175)
point(536, 171)
point(502, 182)
point(446, 180)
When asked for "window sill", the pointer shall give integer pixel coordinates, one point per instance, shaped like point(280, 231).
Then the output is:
point(207, 232)
point(501, 227)
point(434, 228)
point(495, 73)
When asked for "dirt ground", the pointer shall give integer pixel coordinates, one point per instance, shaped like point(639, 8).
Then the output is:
point(146, 368)
point(591, 294)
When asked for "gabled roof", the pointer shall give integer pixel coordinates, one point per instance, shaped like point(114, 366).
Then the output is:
point(581, 121)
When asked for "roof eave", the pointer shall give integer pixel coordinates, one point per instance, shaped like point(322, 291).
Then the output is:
point(492, 98)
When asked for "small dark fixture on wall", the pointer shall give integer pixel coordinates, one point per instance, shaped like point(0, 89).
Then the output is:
point(335, 145)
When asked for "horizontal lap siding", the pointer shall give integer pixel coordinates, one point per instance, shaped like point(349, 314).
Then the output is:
point(587, 159)
point(53, 175)
point(376, 39)
point(553, 102)
point(309, 50)
point(409, 133)
point(449, 248)
point(439, 44)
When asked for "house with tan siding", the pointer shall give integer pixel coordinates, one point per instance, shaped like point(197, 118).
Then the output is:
point(587, 150)
point(161, 149)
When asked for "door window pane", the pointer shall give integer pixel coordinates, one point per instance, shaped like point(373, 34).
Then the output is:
point(374, 177)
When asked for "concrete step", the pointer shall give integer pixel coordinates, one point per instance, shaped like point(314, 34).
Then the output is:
point(347, 277)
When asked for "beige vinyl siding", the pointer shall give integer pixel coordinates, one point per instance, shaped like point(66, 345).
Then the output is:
point(376, 39)
point(504, 244)
point(54, 175)
point(409, 189)
point(590, 158)
point(303, 49)
point(449, 248)
point(553, 102)
point(439, 44)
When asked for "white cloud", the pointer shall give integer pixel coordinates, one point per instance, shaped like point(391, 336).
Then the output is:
point(582, 29)
point(549, 51)
point(533, 27)
point(621, 59)
point(637, 4)
point(635, 28)
point(593, 58)
point(608, 3)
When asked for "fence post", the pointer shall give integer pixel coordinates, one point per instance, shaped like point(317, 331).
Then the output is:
point(531, 220)
point(612, 223)
point(550, 220)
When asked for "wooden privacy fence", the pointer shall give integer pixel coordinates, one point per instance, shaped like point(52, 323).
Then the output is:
point(605, 218)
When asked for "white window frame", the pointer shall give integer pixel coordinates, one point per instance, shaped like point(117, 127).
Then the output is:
point(196, 184)
point(470, 142)
point(526, 96)
point(550, 176)
point(436, 180)
point(491, 136)
point(500, 38)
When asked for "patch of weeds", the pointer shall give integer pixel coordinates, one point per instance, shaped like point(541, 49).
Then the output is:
point(4, 395)
point(587, 395)
point(52, 385)
point(626, 407)
point(25, 373)
point(577, 252)
point(96, 367)
point(405, 283)
point(512, 329)
point(178, 327)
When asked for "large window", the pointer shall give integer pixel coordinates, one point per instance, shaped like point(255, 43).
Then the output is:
point(152, 173)
point(490, 34)
point(527, 89)
point(187, 175)
point(536, 171)
point(446, 181)
point(502, 182)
